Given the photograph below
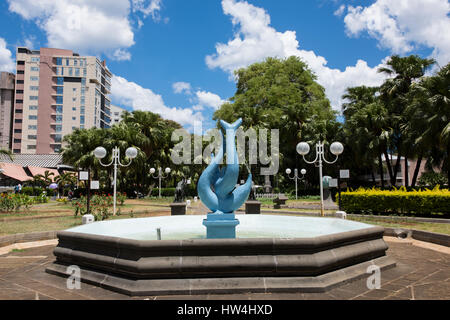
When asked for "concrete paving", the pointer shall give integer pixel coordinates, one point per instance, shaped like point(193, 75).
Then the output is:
point(422, 272)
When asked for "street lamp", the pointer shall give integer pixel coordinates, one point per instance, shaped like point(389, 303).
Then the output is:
point(336, 148)
point(160, 176)
point(100, 153)
point(296, 177)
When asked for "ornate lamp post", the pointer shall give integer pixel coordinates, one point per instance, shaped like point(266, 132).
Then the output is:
point(100, 153)
point(296, 177)
point(160, 176)
point(336, 148)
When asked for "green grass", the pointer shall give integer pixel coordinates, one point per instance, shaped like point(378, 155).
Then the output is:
point(443, 228)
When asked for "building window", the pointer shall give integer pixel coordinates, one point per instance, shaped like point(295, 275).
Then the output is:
point(70, 71)
point(17, 140)
point(17, 130)
point(60, 81)
point(34, 88)
point(59, 90)
point(32, 127)
point(74, 109)
point(58, 119)
point(19, 101)
point(75, 62)
point(34, 78)
point(19, 111)
point(19, 81)
point(81, 110)
point(59, 99)
point(19, 91)
point(82, 101)
point(31, 147)
point(34, 97)
point(16, 150)
point(18, 120)
point(58, 137)
point(74, 118)
point(32, 137)
point(34, 68)
point(58, 128)
point(59, 61)
point(83, 81)
point(67, 62)
point(82, 127)
point(35, 59)
point(20, 72)
point(21, 63)
point(59, 109)
point(77, 72)
point(33, 107)
point(57, 148)
point(32, 117)
point(81, 119)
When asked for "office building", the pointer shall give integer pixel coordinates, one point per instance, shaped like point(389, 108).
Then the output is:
point(7, 81)
point(57, 91)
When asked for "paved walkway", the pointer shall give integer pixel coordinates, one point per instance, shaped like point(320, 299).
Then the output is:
point(422, 272)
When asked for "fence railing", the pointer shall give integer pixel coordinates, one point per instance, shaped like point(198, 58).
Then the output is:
point(267, 195)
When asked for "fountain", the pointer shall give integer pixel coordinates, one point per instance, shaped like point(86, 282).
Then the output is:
point(255, 253)
point(225, 198)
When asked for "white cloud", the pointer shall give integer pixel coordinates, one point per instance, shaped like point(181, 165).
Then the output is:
point(208, 99)
point(180, 87)
point(6, 61)
point(87, 26)
point(151, 7)
point(404, 25)
point(132, 95)
point(256, 40)
point(340, 11)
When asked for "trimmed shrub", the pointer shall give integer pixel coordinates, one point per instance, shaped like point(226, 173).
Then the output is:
point(398, 201)
point(165, 192)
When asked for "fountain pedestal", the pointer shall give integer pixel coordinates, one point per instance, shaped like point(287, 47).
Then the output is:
point(220, 225)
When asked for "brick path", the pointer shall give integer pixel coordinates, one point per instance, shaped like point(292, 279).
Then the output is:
point(421, 273)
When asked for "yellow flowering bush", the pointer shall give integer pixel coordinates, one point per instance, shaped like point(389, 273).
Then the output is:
point(397, 201)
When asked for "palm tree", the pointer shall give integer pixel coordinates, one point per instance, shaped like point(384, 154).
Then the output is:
point(394, 94)
point(65, 179)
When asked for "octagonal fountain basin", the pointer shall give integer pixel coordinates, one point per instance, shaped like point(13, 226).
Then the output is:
point(271, 253)
point(250, 226)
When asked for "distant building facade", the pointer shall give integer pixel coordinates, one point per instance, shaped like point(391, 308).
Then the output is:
point(7, 83)
point(116, 114)
point(57, 91)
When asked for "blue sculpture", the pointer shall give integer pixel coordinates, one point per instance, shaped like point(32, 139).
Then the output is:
point(217, 187)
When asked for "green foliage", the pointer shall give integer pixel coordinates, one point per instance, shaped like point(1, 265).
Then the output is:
point(432, 179)
point(398, 201)
point(165, 192)
point(15, 202)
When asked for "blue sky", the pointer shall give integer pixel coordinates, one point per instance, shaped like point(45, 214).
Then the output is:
point(176, 57)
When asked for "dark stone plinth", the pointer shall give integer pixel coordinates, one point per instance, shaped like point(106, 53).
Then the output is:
point(280, 201)
point(252, 207)
point(138, 267)
point(178, 208)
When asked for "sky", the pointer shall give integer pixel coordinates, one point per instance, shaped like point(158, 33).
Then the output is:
point(177, 58)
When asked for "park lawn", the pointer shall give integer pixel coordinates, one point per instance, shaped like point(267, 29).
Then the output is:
point(56, 209)
point(61, 223)
point(443, 228)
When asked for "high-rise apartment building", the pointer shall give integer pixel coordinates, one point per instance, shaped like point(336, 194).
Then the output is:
point(116, 114)
point(57, 91)
point(7, 81)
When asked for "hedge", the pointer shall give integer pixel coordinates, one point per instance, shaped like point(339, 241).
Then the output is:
point(398, 201)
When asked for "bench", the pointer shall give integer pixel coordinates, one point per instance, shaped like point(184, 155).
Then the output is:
point(280, 201)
